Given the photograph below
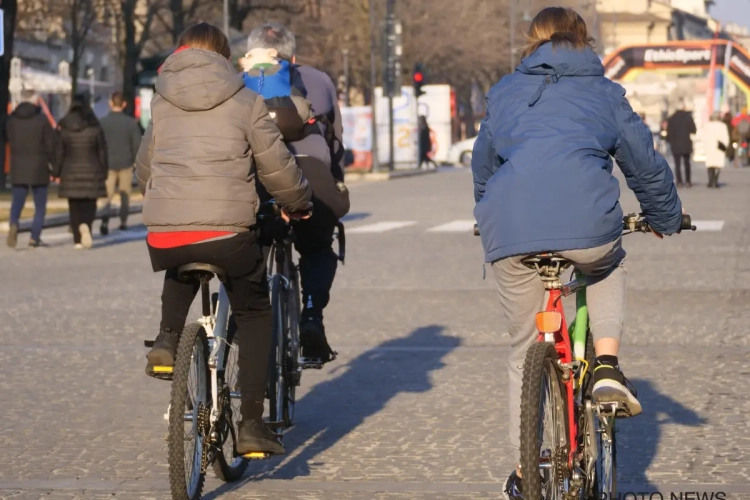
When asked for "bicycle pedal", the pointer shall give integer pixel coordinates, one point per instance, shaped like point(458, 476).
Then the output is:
point(259, 455)
point(275, 425)
point(160, 372)
point(148, 343)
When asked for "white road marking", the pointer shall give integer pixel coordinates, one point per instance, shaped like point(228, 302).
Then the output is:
point(381, 227)
point(709, 225)
point(456, 226)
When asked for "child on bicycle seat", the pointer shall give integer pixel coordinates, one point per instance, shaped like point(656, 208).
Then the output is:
point(210, 138)
point(543, 182)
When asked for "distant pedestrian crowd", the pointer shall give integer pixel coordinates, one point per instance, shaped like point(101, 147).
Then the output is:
point(90, 159)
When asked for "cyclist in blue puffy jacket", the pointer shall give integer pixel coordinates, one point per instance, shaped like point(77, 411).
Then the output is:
point(543, 182)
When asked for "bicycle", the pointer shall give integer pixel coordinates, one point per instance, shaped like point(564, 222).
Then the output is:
point(286, 365)
point(580, 460)
point(205, 387)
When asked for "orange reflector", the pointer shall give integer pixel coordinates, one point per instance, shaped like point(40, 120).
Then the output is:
point(548, 321)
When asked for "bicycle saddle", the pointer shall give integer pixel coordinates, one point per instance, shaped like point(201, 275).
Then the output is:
point(200, 271)
point(546, 259)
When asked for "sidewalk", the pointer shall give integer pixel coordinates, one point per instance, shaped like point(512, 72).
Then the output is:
point(57, 212)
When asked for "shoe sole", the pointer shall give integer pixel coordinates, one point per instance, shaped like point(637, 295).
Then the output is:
point(612, 391)
point(12, 240)
point(86, 240)
point(160, 357)
point(257, 446)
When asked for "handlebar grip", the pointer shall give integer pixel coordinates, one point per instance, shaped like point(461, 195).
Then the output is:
point(476, 229)
point(687, 224)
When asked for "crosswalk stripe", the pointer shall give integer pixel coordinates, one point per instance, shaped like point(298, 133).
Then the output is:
point(381, 227)
point(456, 226)
point(709, 225)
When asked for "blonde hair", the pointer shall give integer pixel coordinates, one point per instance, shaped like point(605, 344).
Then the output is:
point(559, 25)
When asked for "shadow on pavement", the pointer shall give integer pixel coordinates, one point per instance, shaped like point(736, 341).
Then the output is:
point(638, 438)
point(355, 216)
point(335, 408)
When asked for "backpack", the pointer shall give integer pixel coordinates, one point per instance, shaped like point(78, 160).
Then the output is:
point(285, 97)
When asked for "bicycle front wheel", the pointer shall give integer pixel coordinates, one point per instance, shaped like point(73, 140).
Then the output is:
point(229, 466)
point(276, 385)
point(189, 415)
point(544, 425)
point(291, 347)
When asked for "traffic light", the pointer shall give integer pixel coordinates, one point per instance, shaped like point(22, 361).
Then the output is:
point(418, 79)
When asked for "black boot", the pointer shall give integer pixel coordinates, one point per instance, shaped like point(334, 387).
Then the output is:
point(711, 176)
point(313, 341)
point(717, 171)
point(164, 351)
point(255, 437)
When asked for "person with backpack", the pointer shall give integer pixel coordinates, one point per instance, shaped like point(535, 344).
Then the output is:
point(304, 104)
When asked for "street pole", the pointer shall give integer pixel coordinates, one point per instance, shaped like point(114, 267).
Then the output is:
point(391, 70)
point(373, 84)
point(90, 74)
point(345, 52)
point(226, 19)
point(513, 35)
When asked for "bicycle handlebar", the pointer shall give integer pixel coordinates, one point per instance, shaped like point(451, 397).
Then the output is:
point(633, 223)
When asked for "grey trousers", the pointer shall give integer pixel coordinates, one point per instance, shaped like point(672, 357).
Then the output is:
point(522, 295)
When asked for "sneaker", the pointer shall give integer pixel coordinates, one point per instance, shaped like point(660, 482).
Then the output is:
point(313, 342)
point(123, 227)
point(86, 240)
point(12, 236)
point(37, 244)
point(164, 350)
point(512, 489)
point(255, 437)
point(78, 246)
point(104, 228)
point(611, 386)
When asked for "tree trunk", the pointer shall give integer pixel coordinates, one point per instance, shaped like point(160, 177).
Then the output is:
point(132, 53)
point(10, 8)
point(178, 19)
point(75, 65)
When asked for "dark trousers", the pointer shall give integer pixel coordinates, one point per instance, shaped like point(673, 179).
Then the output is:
point(678, 159)
point(317, 261)
point(19, 194)
point(241, 256)
point(82, 211)
point(713, 177)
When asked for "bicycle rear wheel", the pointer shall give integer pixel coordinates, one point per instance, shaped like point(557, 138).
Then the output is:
point(544, 425)
point(276, 385)
point(229, 466)
point(605, 482)
point(291, 348)
point(189, 412)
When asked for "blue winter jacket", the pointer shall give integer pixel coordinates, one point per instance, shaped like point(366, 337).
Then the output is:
point(542, 163)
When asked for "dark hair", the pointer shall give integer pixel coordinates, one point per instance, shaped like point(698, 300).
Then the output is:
point(559, 25)
point(207, 37)
point(117, 99)
point(80, 106)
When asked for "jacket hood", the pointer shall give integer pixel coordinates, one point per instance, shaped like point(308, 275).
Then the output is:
point(559, 62)
point(26, 110)
point(197, 80)
point(562, 61)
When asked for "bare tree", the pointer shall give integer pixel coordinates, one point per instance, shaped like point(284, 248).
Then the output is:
point(177, 15)
point(240, 10)
point(137, 20)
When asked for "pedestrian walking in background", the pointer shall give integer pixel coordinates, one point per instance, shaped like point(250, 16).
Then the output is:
point(716, 143)
point(425, 143)
point(123, 137)
point(32, 146)
point(680, 127)
point(81, 164)
point(731, 151)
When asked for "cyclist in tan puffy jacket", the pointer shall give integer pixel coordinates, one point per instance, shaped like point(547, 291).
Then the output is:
point(210, 138)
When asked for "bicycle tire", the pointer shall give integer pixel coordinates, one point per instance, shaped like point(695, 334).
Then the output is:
point(276, 385)
point(230, 470)
point(291, 347)
point(540, 369)
point(192, 350)
point(605, 481)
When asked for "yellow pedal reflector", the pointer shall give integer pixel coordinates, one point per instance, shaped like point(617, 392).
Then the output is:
point(548, 321)
point(162, 369)
point(256, 455)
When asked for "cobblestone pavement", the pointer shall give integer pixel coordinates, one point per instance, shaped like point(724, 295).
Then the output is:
point(414, 408)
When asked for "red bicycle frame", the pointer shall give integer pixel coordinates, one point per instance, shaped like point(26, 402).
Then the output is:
point(565, 351)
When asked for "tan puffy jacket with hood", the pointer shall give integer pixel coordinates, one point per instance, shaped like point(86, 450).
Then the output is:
point(209, 139)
